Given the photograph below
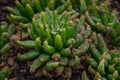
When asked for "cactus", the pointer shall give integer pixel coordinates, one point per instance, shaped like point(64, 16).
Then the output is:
point(84, 76)
point(55, 42)
point(107, 61)
point(58, 38)
point(5, 33)
point(102, 20)
point(27, 8)
point(4, 73)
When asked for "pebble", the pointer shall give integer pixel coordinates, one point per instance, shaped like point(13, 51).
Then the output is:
point(14, 78)
point(10, 61)
point(2, 64)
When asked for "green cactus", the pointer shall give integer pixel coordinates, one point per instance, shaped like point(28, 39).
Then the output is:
point(54, 43)
point(84, 76)
point(104, 63)
point(102, 20)
point(5, 34)
point(58, 38)
point(4, 73)
point(27, 8)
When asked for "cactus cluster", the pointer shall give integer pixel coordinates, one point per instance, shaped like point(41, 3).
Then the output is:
point(98, 16)
point(104, 21)
point(27, 8)
point(104, 64)
point(6, 32)
point(58, 41)
point(61, 31)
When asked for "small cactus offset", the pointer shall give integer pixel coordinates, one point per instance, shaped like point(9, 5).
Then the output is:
point(102, 20)
point(5, 33)
point(58, 41)
point(27, 8)
point(4, 73)
point(104, 62)
point(84, 76)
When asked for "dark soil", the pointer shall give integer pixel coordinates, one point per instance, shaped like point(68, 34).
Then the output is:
point(115, 4)
point(3, 11)
point(20, 70)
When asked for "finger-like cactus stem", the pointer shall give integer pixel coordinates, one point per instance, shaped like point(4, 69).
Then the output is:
point(43, 58)
point(51, 65)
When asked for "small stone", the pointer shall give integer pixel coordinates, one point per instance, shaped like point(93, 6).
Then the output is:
point(23, 70)
point(2, 64)
point(15, 38)
point(14, 78)
point(10, 61)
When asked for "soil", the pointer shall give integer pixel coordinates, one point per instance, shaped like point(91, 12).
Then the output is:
point(115, 4)
point(3, 11)
point(20, 70)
